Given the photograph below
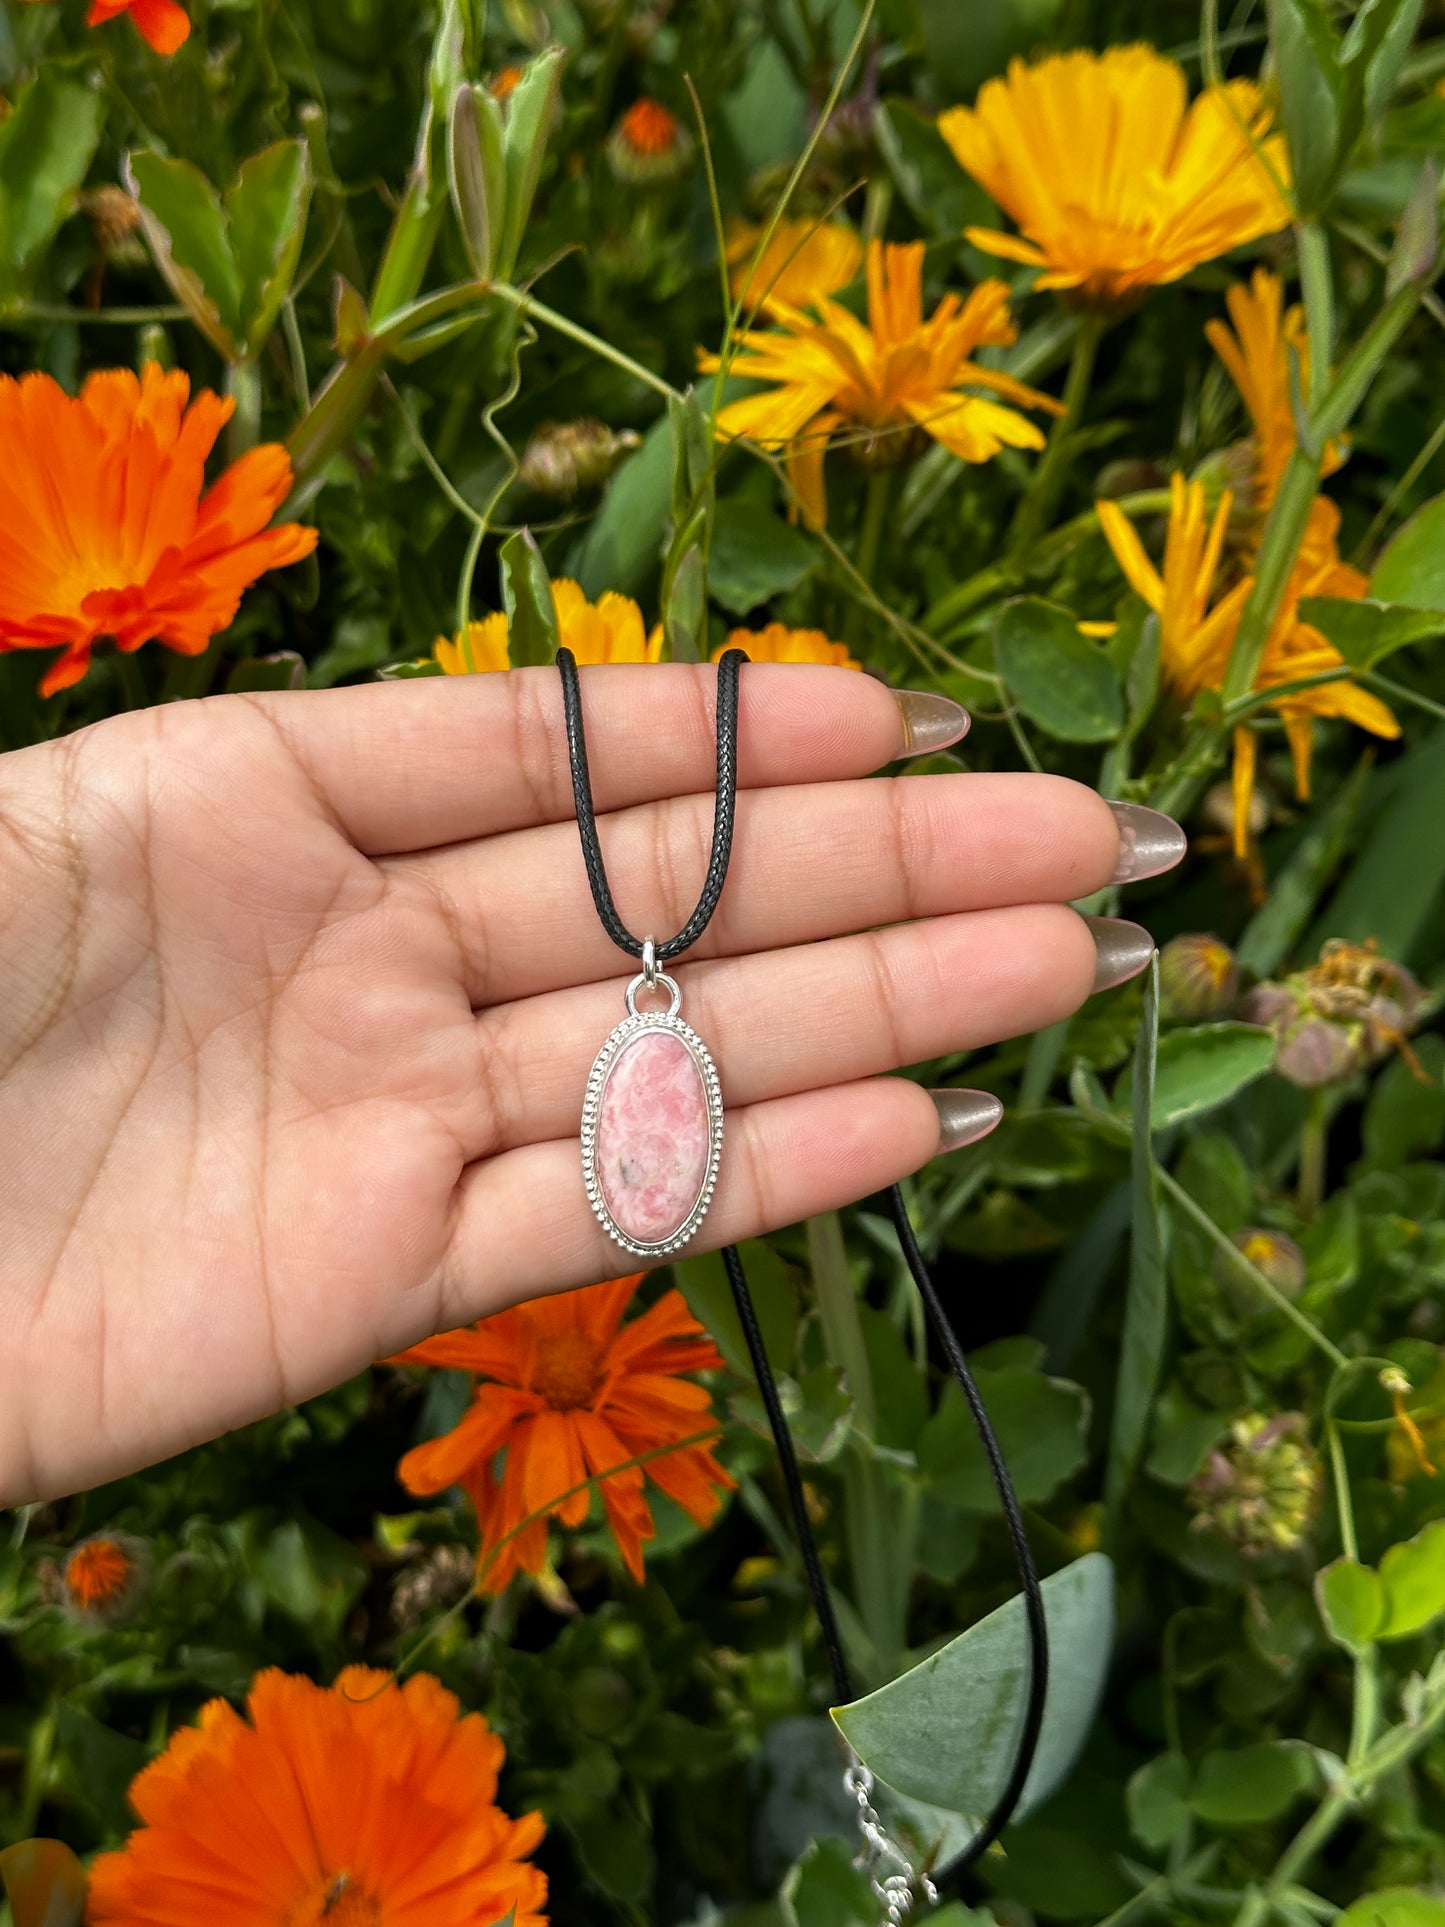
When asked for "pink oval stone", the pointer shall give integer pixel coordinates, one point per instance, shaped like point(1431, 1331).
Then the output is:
point(652, 1136)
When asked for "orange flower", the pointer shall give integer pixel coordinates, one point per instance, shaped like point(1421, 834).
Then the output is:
point(779, 644)
point(569, 1391)
point(161, 22)
point(362, 1805)
point(104, 1576)
point(649, 144)
point(104, 530)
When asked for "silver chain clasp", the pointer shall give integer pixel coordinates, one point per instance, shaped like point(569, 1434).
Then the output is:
point(894, 1890)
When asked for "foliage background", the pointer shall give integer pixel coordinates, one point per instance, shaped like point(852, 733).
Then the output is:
point(674, 1734)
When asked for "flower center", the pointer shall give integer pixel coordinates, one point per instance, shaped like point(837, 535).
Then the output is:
point(567, 1371)
point(340, 1903)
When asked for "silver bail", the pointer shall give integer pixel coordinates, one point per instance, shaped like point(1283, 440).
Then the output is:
point(650, 970)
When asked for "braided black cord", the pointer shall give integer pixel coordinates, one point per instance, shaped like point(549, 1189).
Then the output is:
point(728, 670)
point(1033, 1597)
point(792, 1477)
point(727, 713)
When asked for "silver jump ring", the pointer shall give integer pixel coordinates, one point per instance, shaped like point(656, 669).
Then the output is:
point(659, 981)
point(650, 970)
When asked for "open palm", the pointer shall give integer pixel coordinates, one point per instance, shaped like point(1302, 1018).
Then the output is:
point(301, 994)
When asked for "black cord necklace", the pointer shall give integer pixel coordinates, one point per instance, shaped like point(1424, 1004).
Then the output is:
point(651, 1192)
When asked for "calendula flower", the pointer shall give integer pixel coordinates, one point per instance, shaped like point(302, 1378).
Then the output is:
point(649, 145)
point(567, 1392)
point(608, 630)
point(162, 22)
point(1266, 337)
point(366, 1804)
point(104, 1577)
point(1115, 180)
point(777, 643)
point(1197, 626)
point(889, 384)
point(104, 529)
point(802, 261)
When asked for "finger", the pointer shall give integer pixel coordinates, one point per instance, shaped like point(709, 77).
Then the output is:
point(409, 765)
point(523, 1226)
point(806, 863)
point(795, 1019)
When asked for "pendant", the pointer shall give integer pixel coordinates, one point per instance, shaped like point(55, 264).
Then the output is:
point(652, 1125)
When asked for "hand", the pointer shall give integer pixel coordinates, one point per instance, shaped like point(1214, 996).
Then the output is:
point(301, 993)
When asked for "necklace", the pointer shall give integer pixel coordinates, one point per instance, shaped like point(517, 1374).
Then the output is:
point(652, 1114)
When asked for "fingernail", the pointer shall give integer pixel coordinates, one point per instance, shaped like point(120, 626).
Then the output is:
point(1124, 949)
point(1149, 841)
point(964, 1117)
point(930, 721)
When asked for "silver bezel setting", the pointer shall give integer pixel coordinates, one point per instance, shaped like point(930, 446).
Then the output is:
point(629, 1029)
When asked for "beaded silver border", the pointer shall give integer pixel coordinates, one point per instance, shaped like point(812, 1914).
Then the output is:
point(630, 1028)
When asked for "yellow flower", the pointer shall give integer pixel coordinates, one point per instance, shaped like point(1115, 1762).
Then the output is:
point(1117, 182)
point(608, 630)
point(779, 644)
point(803, 260)
point(1197, 626)
point(891, 381)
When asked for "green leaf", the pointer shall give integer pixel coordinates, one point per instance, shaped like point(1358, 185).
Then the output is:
point(311, 1574)
point(1366, 632)
point(103, 1763)
point(755, 556)
point(283, 670)
point(45, 1884)
point(528, 117)
point(1275, 928)
point(266, 211)
point(1146, 1310)
point(825, 1889)
point(1252, 1784)
point(685, 599)
point(1412, 569)
point(185, 223)
point(1157, 1799)
point(946, 1731)
point(1063, 682)
point(621, 545)
point(532, 633)
point(703, 1282)
point(1392, 887)
point(1204, 1066)
point(1312, 95)
point(1352, 1603)
point(940, 195)
point(963, 46)
point(47, 143)
point(1041, 1425)
point(1394, 1907)
point(1413, 1578)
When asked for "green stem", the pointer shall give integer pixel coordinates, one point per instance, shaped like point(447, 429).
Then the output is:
point(101, 317)
point(1242, 1264)
point(243, 385)
point(837, 1301)
point(535, 310)
point(37, 1773)
point(1312, 245)
point(1314, 1146)
point(875, 517)
point(1048, 477)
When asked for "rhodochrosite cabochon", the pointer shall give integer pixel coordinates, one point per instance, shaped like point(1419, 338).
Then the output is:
point(652, 1125)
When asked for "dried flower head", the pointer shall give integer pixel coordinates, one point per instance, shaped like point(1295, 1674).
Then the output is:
point(1349, 1010)
point(1261, 1489)
point(566, 459)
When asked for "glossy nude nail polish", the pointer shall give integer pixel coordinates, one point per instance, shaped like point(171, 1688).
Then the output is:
point(1123, 949)
point(930, 722)
point(1149, 842)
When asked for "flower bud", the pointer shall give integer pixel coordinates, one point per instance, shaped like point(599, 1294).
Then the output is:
point(105, 1578)
point(1261, 1488)
point(1271, 1252)
point(1218, 810)
point(649, 146)
point(438, 1581)
point(566, 459)
point(1198, 977)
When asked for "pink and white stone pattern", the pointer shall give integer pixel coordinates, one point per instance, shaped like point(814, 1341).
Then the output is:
point(652, 1137)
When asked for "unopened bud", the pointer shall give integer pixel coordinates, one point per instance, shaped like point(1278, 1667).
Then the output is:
point(105, 1578)
point(1198, 977)
point(649, 146)
point(1273, 1254)
point(566, 459)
